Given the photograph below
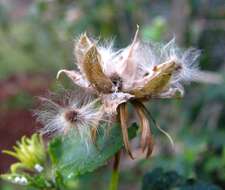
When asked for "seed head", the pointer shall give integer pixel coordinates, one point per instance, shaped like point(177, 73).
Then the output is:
point(136, 73)
point(76, 115)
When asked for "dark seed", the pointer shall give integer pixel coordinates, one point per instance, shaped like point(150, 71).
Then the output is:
point(71, 116)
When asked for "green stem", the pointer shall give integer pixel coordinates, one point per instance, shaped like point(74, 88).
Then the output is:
point(115, 173)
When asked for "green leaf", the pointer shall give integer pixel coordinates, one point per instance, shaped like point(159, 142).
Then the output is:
point(71, 156)
point(40, 182)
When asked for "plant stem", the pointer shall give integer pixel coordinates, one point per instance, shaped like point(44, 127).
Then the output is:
point(115, 173)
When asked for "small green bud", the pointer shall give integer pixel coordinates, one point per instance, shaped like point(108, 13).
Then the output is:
point(30, 152)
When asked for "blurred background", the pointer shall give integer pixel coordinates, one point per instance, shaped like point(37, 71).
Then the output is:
point(36, 40)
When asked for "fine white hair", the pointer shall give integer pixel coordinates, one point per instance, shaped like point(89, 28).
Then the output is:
point(53, 115)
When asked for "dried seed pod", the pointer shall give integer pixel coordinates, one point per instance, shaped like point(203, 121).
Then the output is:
point(146, 136)
point(158, 81)
point(123, 123)
point(94, 72)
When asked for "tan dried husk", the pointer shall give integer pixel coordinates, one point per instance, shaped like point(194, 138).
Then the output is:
point(146, 136)
point(158, 82)
point(93, 71)
point(80, 49)
point(123, 113)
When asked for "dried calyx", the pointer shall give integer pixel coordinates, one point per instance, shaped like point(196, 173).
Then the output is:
point(137, 73)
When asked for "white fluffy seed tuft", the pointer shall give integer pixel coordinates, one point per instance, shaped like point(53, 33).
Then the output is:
point(72, 114)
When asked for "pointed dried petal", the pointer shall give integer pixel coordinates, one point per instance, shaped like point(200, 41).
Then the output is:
point(146, 136)
point(112, 101)
point(134, 42)
point(123, 123)
point(127, 69)
point(158, 81)
point(93, 71)
point(80, 49)
point(76, 77)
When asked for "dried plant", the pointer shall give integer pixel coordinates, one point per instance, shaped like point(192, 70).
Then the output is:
point(137, 73)
point(106, 81)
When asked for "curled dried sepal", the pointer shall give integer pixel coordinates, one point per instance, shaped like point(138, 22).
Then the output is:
point(146, 136)
point(158, 81)
point(94, 73)
point(76, 77)
point(123, 123)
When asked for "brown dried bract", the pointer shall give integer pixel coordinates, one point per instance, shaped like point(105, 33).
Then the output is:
point(123, 112)
point(80, 49)
point(158, 82)
point(94, 73)
point(146, 136)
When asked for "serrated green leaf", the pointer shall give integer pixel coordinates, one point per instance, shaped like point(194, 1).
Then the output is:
point(71, 156)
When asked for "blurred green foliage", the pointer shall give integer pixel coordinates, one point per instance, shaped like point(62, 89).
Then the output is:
point(160, 180)
point(71, 159)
